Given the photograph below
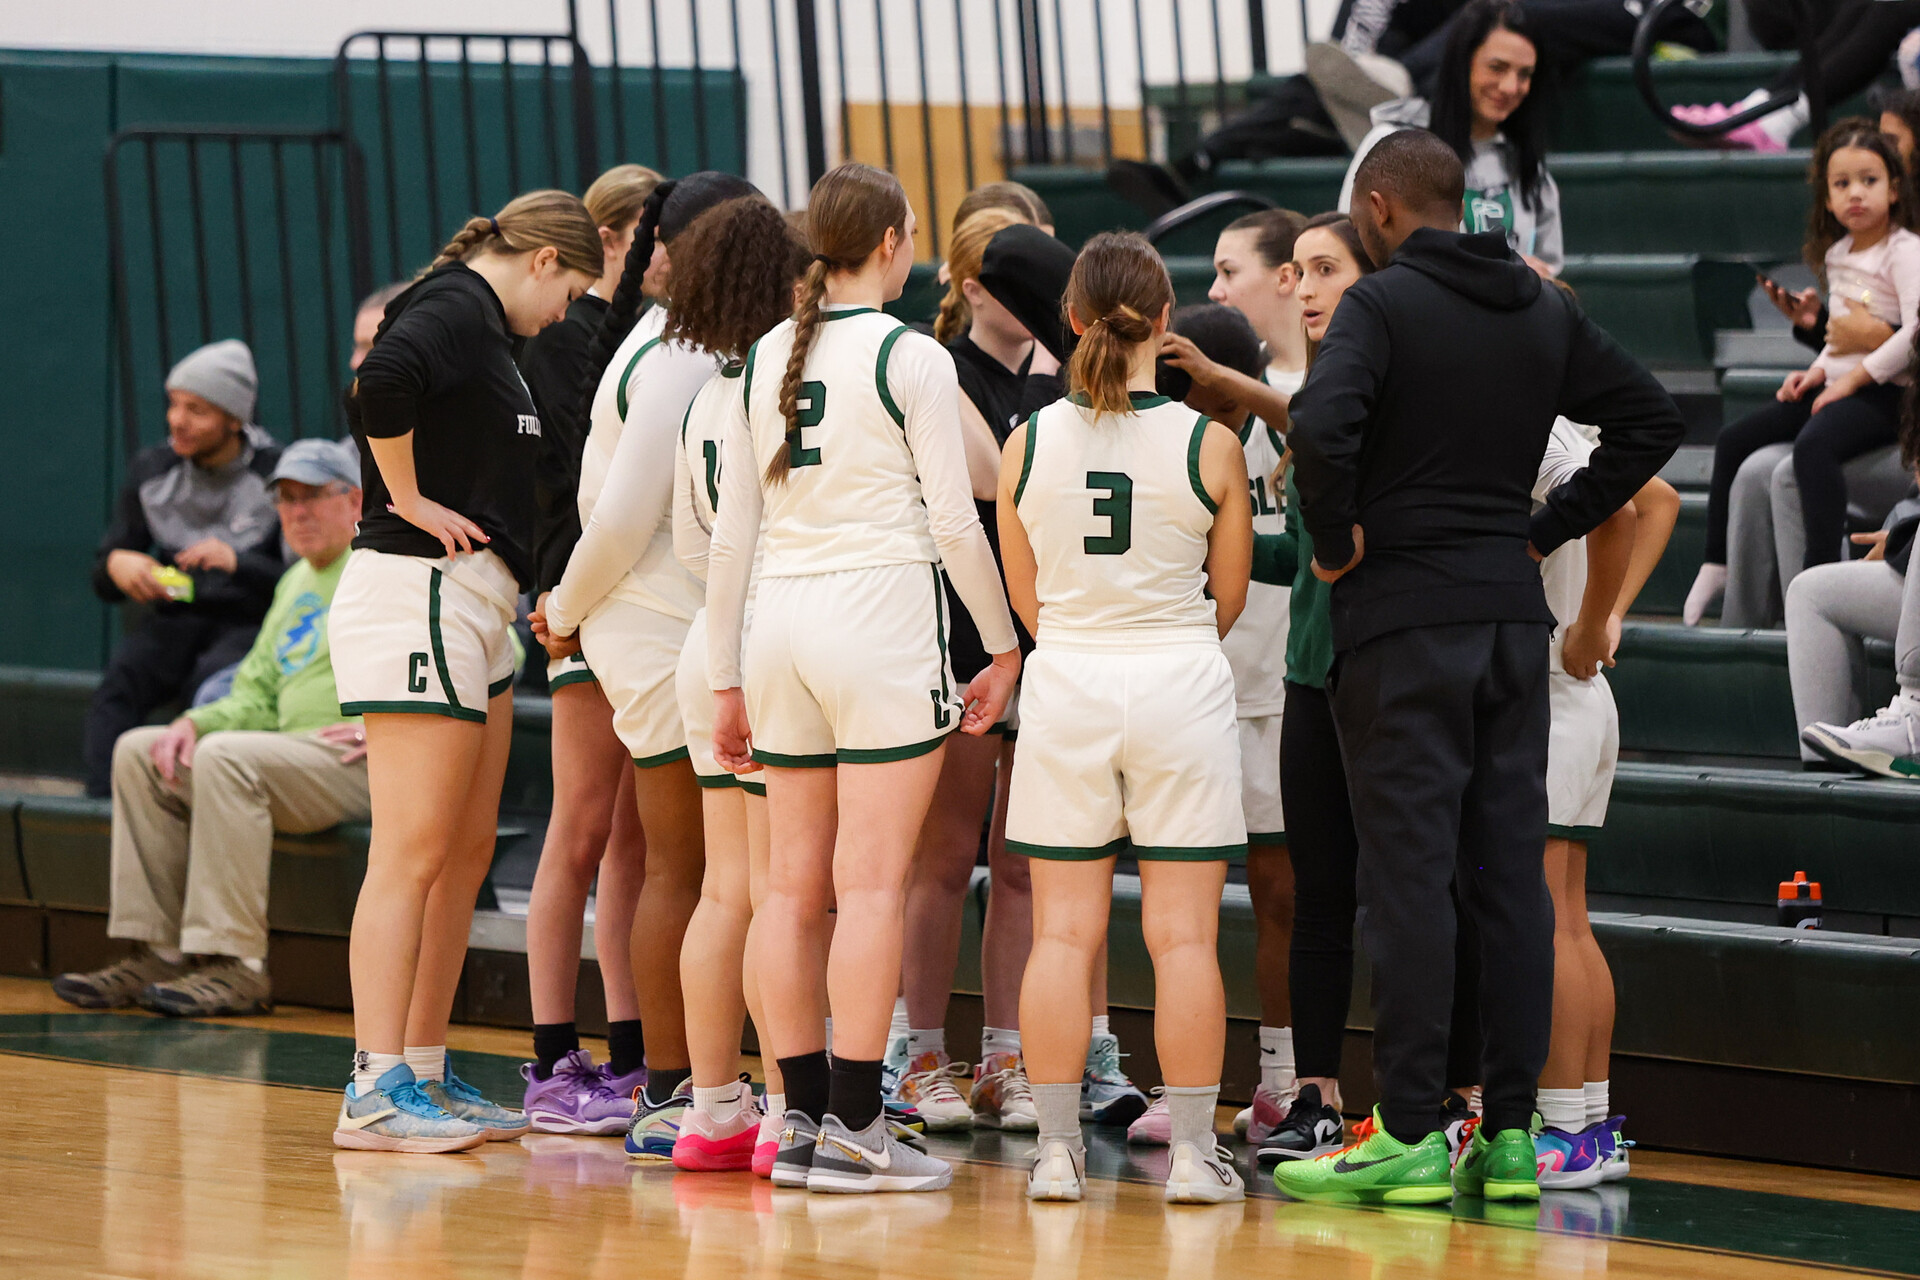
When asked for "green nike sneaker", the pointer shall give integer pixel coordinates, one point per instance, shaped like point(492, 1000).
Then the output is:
point(1380, 1169)
point(1500, 1169)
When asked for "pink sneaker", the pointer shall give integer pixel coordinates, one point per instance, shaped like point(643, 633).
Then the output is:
point(766, 1144)
point(1258, 1121)
point(1751, 137)
point(1155, 1128)
point(706, 1145)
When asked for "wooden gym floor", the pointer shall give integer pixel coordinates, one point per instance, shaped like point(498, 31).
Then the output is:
point(146, 1147)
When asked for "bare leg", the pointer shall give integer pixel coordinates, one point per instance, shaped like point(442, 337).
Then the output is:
point(749, 974)
point(792, 927)
point(716, 938)
point(1071, 901)
point(1572, 1018)
point(668, 799)
point(1180, 920)
point(942, 868)
point(1270, 884)
point(1599, 977)
point(1006, 935)
point(616, 898)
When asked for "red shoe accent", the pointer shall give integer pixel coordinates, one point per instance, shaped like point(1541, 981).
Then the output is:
point(763, 1159)
point(696, 1154)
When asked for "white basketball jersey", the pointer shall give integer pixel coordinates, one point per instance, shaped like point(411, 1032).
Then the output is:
point(1564, 573)
point(718, 413)
point(1118, 519)
point(851, 498)
point(1257, 646)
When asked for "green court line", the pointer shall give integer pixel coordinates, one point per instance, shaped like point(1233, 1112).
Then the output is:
point(1795, 1229)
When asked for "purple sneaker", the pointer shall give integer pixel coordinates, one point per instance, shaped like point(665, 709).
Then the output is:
point(578, 1097)
point(1569, 1161)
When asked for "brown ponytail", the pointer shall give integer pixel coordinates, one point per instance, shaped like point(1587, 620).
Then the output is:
point(848, 214)
point(531, 221)
point(1119, 287)
point(964, 252)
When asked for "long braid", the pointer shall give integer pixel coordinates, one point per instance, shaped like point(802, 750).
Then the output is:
point(623, 309)
point(806, 326)
point(466, 240)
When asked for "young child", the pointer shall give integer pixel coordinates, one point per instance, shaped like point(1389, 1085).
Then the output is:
point(1860, 238)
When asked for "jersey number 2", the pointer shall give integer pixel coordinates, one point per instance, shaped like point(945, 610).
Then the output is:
point(1117, 507)
point(810, 408)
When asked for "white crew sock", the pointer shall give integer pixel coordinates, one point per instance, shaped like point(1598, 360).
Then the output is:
point(898, 1025)
point(1779, 125)
point(429, 1062)
point(172, 955)
point(774, 1104)
point(1907, 701)
point(1102, 1024)
point(1058, 1107)
point(1597, 1105)
point(926, 1040)
point(1276, 1059)
point(1708, 585)
point(1564, 1109)
point(722, 1104)
point(998, 1040)
point(368, 1067)
point(1190, 1115)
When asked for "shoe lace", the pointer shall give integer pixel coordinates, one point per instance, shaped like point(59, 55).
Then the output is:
point(1105, 1064)
point(1014, 1081)
point(460, 1089)
point(1468, 1128)
point(936, 1083)
point(415, 1101)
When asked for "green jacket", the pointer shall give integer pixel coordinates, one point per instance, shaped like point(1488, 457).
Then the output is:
point(1286, 560)
point(285, 682)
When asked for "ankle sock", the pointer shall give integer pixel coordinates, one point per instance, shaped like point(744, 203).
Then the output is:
point(1276, 1059)
point(1058, 1106)
point(773, 1104)
point(722, 1104)
point(664, 1082)
point(926, 1040)
point(1564, 1109)
point(552, 1041)
point(1598, 1105)
point(429, 1062)
point(626, 1046)
point(806, 1079)
point(1102, 1024)
point(1190, 1114)
point(998, 1040)
point(368, 1067)
point(853, 1092)
point(897, 1026)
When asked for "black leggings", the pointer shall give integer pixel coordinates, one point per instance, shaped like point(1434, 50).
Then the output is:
point(1857, 37)
point(1822, 443)
point(1325, 854)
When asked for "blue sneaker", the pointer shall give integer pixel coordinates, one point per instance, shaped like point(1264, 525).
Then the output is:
point(1107, 1097)
point(656, 1125)
point(397, 1115)
point(1614, 1163)
point(502, 1124)
point(1569, 1161)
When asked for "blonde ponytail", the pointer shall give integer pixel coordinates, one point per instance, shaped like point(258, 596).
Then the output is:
point(964, 254)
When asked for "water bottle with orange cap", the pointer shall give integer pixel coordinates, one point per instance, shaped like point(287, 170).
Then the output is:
point(1800, 902)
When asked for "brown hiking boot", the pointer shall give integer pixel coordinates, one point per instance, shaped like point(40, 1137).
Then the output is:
point(222, 987)
point(119, 984)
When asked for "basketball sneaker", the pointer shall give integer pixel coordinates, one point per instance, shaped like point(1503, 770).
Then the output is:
point(579, 1097)
point(222, 987)
point(1309, 1130)
point(502, 1124)
point(873, 1159)
point(120, 983)
point(1379, 1169)
point(793, 1157)
point(1107, 1097)
point(1154, 1127)
point(1059, 1171)
point(1886, 742)
point(1499, 1168)
point(1613, 1151)
point(707, 1145)
point(1566, 1161)
point(1200, 1176)
point(927, 1085)
point(397, 1115)
point(766, 1144)
point(1257, 1122)
point(1001, 1097)
point(656, 1125)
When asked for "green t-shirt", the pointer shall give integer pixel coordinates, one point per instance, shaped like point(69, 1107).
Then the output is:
point(285, 682)
point(1286, 560)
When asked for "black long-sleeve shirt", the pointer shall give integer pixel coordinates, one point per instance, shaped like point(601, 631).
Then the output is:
point(554, 363)
point(442, 368)
point(1424, 421)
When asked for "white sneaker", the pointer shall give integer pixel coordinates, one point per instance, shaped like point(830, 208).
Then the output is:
point(873, 1159)
point(928, 1087)
point(1258, 1122)
point(1200, 1176)
point(1002, 1099)
point(1708, 585)
point(1886, 742)
point(1059, 1170)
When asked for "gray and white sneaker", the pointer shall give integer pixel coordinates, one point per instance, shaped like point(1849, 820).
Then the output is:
point(793, 1159)
point(223, 987)
point(873, 1159)
point(1886, 742)
point(120, 983)
point(1200, 1176)
point(1059, 1171)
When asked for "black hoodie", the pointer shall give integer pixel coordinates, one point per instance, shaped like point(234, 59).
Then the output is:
point(1425, 417)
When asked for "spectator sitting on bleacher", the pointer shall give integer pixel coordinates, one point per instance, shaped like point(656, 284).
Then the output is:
point(367, 317)
point(193, 535)
point(195, 804)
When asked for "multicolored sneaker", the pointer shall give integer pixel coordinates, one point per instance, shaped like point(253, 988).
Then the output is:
point(1566, 1161)
point(120, 983)
point(873, 1159)
point(927, 1085)
point(1257, 1122)
point(1059, 1171)
point(656, 1125)
point(223, 987)
point(1309, 1130)
point(1107, 1097)
point(1498, 1168)
point(397, 1115)
point(793, 1157)
point(707, 1145)
point(1200, 1176)
point(1002, 1099)
point(579, 1097)
point(766, 1144)
point(1154, 1128)
point(502, 1124)
point(1614, 1163)
point(1379, 1169)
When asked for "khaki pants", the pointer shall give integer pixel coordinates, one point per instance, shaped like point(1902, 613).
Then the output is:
point(191, 857)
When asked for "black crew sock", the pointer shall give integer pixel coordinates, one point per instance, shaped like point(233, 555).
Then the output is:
point(663, 1081)
point(552, 1041)
point(806, 1079)
point(626, 1047)
point(854, 1094)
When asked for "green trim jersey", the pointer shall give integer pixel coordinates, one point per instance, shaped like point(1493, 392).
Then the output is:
point(716, 416)
point(1118, 519)
point(1257, 646)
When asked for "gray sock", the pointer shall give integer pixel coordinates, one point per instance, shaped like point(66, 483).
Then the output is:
point(1058, 1106)
point(1191, 1114)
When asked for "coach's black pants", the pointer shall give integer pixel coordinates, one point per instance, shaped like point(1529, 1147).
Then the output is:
point(1444, 731)
point(162, 661)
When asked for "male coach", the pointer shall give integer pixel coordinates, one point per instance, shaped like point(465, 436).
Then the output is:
point(1417, 440)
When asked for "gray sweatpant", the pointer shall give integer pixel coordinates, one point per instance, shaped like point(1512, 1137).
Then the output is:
point(1831, 609)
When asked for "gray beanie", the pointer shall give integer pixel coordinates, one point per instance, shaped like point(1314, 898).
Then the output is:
point(220, 373)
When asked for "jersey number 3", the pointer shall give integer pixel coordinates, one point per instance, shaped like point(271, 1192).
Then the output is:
point(809, 409)
point(1117, 507)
